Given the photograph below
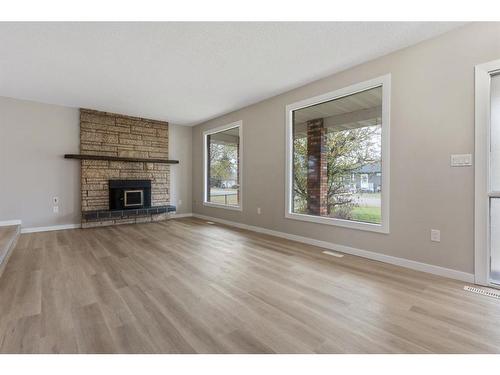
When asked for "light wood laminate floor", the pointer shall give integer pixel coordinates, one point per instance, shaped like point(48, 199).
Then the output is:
point(184, 286)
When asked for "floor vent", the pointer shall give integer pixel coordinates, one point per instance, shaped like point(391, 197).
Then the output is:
point(333, 253)
point(484, 292)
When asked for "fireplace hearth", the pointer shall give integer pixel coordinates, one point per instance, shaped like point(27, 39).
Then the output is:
point(129, 194)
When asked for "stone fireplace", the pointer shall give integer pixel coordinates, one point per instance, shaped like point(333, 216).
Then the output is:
point(121, 192)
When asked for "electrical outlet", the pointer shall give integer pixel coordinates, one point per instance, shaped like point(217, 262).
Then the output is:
point(55, 209)
point(435, 235)
point(179, 203)
point(55, 200)
point(258, 211)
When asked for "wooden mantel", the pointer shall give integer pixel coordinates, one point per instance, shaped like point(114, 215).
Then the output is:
point(118, 158)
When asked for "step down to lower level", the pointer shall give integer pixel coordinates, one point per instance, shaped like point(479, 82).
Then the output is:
point(8, 238)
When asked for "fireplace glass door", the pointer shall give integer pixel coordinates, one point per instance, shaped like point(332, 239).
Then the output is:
point(133, 198)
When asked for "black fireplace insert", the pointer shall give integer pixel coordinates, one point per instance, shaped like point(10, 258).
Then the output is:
point(129, 194)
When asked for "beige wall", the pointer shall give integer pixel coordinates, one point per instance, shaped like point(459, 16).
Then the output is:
point(432, 116)
point(180, 138)
point(33, 139)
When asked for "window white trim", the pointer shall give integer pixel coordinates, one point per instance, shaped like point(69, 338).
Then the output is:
point(482, 193)
point(385, 83)
point(239, 125)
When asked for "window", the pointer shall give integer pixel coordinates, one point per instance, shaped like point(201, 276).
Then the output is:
point(338, 157)
point(222, 165)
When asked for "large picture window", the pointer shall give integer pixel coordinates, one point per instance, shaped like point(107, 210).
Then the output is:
point(338, 157)
point(222, 164)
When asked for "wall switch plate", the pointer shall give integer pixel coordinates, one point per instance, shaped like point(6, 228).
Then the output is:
point(179, 202)
point(461, 160)
point(435, 235)
point(55, 209)
point(55, 200)
point(258, 211)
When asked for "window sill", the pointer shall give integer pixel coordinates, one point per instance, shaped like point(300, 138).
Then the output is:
point(216, 205)
point(379, 228)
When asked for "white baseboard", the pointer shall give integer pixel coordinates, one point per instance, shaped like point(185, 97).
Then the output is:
point(9, 222)
point(402, 262)
point(178, 216)
point(47, 229)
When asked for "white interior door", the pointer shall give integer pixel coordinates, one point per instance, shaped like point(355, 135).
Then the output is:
point(487, 175)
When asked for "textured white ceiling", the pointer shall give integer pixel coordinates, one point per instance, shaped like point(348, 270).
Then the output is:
point(186, 73)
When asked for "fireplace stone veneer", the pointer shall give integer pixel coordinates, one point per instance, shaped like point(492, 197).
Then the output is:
point(110, 134)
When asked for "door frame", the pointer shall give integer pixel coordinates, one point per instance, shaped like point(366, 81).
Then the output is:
point(483, 73)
